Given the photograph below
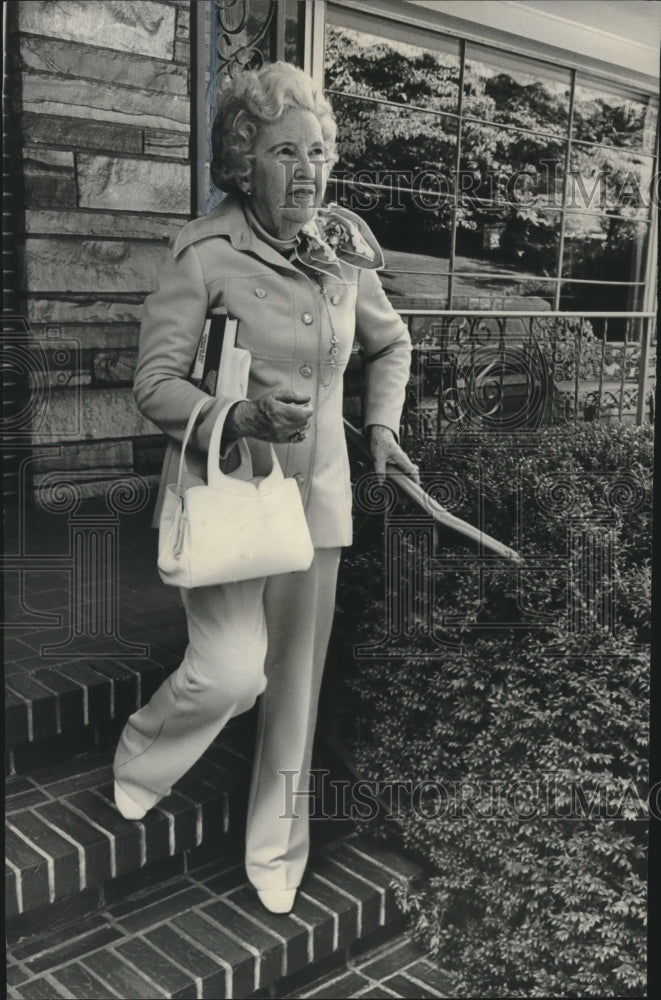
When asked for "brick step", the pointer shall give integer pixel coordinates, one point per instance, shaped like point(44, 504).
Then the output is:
point(44, 700)
point(64, 836)
point(204, 933)
point(397, 967)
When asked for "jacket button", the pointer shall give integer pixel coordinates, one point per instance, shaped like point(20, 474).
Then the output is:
point(307, 318)
point(335, 298)
point(300, 478)
point(305, 371)
point(260, 293)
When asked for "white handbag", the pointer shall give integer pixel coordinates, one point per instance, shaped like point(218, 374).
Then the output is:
point(231, 529)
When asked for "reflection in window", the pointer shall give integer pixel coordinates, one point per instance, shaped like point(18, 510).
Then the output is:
point(422, 278)
point(524, 241)
point(616, 119)
point(502, 87)
point(509, 217)
point(394, 171)
point(393, 138)
point(392, 69)
point(396, 160)
point(609, 249)
point(602, 178)
point(503, 165)
point(586, 297)
point(513, 292)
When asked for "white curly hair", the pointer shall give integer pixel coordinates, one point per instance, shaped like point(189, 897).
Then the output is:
point(256, 97)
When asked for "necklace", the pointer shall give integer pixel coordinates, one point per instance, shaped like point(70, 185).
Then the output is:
point(333, 350)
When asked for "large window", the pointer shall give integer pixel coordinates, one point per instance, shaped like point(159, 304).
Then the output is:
point(493, 180)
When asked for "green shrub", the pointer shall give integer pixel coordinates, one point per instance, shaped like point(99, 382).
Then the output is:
point(536, 903)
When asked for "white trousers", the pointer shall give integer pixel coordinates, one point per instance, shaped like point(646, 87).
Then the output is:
point(257, 637)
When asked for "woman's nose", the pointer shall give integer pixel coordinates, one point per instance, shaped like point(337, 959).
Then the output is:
point(304, 169)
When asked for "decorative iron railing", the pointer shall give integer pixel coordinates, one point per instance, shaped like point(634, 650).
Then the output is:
point(492, 371)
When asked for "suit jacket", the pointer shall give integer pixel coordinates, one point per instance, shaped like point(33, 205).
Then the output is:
point(219, 263)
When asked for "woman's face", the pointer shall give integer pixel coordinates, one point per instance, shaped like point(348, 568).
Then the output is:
point(289, 172)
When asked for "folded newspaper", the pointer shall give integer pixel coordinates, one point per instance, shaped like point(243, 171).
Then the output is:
point(430, 506)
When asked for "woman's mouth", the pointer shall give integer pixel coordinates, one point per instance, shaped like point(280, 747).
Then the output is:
point(302, 193)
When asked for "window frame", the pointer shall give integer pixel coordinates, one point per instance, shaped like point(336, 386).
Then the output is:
point(360, 15)
point(552, 38)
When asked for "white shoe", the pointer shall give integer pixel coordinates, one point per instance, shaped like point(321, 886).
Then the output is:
point(277, 900)
point(126, 806)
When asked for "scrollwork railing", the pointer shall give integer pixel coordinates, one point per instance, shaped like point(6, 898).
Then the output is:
point(495, 372)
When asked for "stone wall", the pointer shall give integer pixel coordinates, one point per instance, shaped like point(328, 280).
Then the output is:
point(102, 106)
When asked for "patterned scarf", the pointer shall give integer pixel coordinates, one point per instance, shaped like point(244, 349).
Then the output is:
point(330, 238)
point(323, 242)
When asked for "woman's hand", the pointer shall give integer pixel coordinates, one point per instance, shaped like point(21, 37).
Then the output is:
point(385, 449)
point(278, 417)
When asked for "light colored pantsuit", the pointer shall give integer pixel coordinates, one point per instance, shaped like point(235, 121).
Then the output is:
point(265, 637)
point(255, 637)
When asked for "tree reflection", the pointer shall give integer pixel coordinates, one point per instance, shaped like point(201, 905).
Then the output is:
point(402, 119)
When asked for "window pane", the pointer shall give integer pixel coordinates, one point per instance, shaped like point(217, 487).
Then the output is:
point(380, 137)
point(602, 178)
point(616, 119)
point(601, 298)
point(513, 90)
point(415, 241)
point(517, 241)
point(395, 170)
point(398, 219)
point(503, 165)
point(604, 248)
point(396, 62)
point(415, 280)
point(293, 30)
point(394, 89)
point(512, 292)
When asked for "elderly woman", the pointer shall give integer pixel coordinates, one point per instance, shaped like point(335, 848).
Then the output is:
point(301, 281)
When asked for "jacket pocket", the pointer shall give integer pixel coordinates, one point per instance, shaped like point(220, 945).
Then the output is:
point(263, 304)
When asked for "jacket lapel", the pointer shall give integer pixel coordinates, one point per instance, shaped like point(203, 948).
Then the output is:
point(229, 220)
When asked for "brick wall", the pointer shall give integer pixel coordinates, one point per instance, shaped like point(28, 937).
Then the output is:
point(101, 94)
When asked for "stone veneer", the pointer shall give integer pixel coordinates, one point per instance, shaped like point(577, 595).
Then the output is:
point(101, 100)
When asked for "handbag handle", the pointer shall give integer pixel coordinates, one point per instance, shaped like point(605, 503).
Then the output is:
point(243, 447)
point(187, 433)
point(215, 475)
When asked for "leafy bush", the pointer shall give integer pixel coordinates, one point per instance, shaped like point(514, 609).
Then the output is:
point(543, 679)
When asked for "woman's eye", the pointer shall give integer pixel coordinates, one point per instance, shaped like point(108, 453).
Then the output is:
point(286, 151)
